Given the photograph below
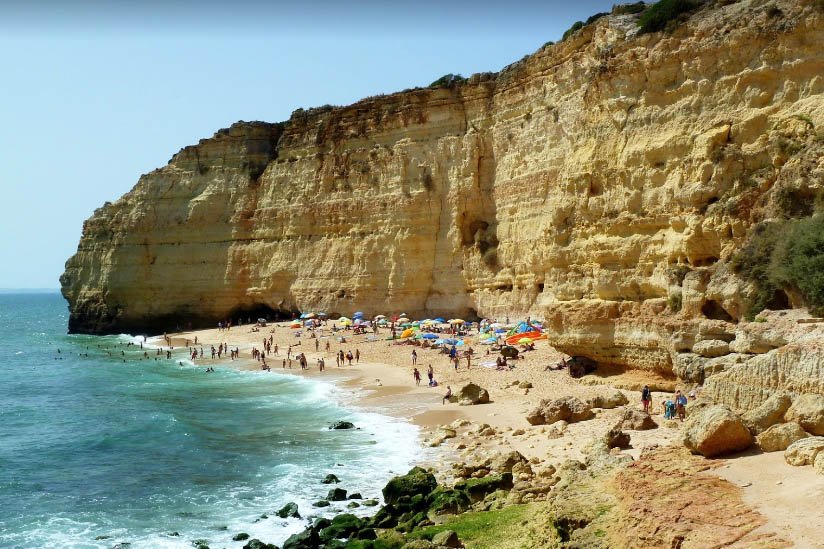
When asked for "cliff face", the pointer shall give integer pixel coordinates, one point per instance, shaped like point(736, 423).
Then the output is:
point(594, 184)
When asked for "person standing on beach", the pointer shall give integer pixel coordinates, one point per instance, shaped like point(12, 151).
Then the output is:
point(414, 357)
point(681, 405)
point(646, 398)
point(317, 345)
point(430, 373)
point(276, 349)
point(417, 375)
point(357, 356)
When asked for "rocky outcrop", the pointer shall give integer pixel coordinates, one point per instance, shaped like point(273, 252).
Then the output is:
point(714, 431)
point(797, 368)
point(804, 451)
point(808, 411)
point(600, 184)
point(568, 409)
point(770, 412)
point(778, 437)
point(636, 420)
point(471, 394)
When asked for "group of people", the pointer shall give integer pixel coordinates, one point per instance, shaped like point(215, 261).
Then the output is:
point(430, 373)
point(675, 406)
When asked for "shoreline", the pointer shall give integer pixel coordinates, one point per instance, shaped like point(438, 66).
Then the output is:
point(382, 382)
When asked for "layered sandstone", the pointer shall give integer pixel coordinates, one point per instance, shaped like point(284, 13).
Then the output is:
point(593, 184)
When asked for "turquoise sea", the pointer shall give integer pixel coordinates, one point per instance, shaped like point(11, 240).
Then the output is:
point(97, 441)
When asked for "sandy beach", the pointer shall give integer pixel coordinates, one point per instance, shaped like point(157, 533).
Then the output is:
point(382, 380)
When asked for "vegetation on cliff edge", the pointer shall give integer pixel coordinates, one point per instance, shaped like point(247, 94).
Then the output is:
point(784, 256)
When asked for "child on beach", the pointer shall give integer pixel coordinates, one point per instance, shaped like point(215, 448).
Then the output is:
point(417, 376)
point(646, 398)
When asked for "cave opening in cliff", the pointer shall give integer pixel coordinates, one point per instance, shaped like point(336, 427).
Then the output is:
point(250, 313)
point(779, 301)
point(714, 311)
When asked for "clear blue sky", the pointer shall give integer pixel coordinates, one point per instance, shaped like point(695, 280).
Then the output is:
point(95, 93)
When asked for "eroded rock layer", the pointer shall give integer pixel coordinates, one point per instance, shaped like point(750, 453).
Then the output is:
point(601, 184)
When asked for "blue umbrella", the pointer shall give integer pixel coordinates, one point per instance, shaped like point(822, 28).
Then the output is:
point(439, 319)
point(429, 336)
point(304, 315)
point(356, 315)
point(451, 341)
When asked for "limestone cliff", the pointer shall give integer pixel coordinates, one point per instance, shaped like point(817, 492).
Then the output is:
point(601, 183)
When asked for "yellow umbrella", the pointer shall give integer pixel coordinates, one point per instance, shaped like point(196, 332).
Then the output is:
point(525, 340)
point(428, 322)
point(408, 332)
point(457, 321)
point(403, 319)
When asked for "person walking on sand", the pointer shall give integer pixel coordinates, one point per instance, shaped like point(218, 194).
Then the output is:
point(430, 373)
point(646, 398)
point(357, 356)
point(417, 375)
point(448, 395)
point(414, 357)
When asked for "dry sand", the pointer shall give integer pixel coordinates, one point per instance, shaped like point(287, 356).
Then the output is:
point(789, 497)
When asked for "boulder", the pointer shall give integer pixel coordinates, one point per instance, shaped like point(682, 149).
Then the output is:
point(503, 463)
point(711, 348)
point(257, 544)
point(447, 538)
point(321, 503)
point(330, 479)
point(770, 412)
point(342, 526)
point(290, 510)
point(714, 431)
point(342, 425)
point(416, 481)
point(778, 437)
point(818, 464)
point(307, 539)
point(243, 536)
point(616, 438)
point(636, 420)
point(804, 451)
point(471, 394)
point(522, 385)
point(610, 401)
point(808, 411)
point(568, 409)
point(336, 494)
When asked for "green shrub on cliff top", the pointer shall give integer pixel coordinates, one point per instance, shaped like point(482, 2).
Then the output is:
point(447, 81)
point(664, 15)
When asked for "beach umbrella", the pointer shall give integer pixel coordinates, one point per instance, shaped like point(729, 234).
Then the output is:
point(495, 325)
point(428, 322)
point(310, 315)
point(439, 319)
point(408, 332)
point(358, 314)
point(403, 319)
point(525, 340)
point(429, 336)
point(380, 317)
point(302, 316)
point(457, 321)
point(322, 314)
point(402, 314)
